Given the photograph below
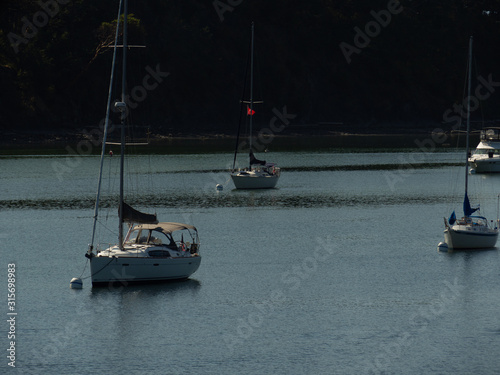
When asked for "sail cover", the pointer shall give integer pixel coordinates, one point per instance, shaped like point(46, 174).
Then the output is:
point(468, 210)
point(131, 215)
point(254, 160)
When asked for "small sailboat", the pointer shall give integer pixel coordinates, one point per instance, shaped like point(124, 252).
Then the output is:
point(471, 231)
point(259, 174)
point(150, 251)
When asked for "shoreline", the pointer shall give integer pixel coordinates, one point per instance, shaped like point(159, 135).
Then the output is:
point(87, 142)
point(33, 138)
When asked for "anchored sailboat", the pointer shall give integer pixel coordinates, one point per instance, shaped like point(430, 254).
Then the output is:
point(486, 157)
point(150, 251)
point(471, 231)
point(259, 174)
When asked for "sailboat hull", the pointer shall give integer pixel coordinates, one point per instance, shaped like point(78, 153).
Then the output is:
point(130, 270)
point(250, 180)
point(468, 238)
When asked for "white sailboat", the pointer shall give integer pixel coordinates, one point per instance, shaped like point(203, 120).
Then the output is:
point(259, 174)
point(469, 232)
point(150, 251)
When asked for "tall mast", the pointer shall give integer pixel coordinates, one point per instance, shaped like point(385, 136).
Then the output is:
point(123, 118)
point(251, 91)
point(468, 118)
point(105, 132)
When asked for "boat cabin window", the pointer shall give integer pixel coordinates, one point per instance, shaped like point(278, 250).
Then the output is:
point(159, 253)
point(484, 151)
point(150, 237)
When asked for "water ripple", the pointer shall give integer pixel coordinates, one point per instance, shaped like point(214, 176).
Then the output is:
point(329, 168)
point(227, 200)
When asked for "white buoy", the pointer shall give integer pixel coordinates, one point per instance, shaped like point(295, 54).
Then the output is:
point(76, 283)
point(219, 187)
point(443, 246)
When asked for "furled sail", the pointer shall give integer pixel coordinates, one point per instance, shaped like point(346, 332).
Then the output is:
point(468, 210)
point(254, 160)
point(131, 215)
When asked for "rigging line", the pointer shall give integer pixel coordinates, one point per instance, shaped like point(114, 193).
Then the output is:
point(480, 101)
point(150, 178)
point(84, 268)
point(478, 183)
point(463, 112)
point(107, 264)
point(113, 170)
point(241, 108)
point(131, 179)
point(107, 228)
point(250, 120)
point(455, 174)
point(123, 118)
point(259, 76)
point(106, 124)
point(468, 117)
point(457, 145)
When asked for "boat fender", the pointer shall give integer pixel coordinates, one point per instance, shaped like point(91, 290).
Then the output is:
point(76, 283)
point(443, 246)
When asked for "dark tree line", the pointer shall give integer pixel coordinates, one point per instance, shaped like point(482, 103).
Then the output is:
point(405, 61)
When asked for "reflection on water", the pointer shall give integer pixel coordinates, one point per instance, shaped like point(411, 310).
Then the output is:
point(151, 289)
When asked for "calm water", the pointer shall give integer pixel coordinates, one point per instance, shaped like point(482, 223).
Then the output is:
point(335, 272)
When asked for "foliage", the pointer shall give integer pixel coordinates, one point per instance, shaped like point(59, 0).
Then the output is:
point(411, 71)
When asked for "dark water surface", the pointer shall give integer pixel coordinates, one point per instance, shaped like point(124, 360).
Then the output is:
point(334, 272)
